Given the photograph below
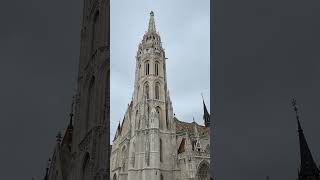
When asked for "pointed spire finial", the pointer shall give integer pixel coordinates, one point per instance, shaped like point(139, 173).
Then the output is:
point(295, 108)
point(152, 25)
point(206, 115)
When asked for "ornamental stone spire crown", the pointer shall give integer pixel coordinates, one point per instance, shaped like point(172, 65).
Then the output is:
point(152, 24)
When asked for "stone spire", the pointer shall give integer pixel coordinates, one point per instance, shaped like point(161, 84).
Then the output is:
point(308, 168)
point(206, 115)
point(152, 24)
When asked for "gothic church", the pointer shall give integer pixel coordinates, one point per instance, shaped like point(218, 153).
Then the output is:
point(82, 153)
point(151, 143)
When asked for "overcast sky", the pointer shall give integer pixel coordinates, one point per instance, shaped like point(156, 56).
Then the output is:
point(39, 51)
point(184, 27)
point(265, 53)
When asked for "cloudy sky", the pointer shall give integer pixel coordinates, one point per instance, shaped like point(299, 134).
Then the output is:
point(184, 27)
point(39, 51)
point(265, 53)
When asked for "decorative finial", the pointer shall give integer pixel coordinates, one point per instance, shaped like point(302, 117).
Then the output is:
point(294, 104)
point(295, 108)
point(202, 96)
point(152, 25)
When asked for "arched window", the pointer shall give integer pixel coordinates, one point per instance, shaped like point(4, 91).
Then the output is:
point(147, 67)
point(161, 177)
point(156, 68)
point(160, 150)
point(146, 90)
point(94, 31)
point(203, 171)
point(114, 177)
point(157, 91)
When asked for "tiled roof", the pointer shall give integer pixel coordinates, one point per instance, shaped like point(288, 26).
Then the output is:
point(189, 127)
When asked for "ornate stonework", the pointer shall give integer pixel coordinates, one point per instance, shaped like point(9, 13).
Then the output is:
point(151, 143)
point(86, 155)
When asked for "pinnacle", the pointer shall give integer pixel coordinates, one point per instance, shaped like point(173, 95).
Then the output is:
point(152, 25)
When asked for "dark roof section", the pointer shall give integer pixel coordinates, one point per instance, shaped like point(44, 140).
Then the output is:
point(308, 168)
point(206, 115)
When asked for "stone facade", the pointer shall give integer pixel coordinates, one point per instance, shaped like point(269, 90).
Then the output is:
point(83, 153)
point(151, 143)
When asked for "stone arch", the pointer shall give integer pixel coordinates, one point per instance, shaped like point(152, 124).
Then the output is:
point(203, 170)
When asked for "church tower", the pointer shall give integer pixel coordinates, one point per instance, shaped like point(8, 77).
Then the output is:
point(90, 142)
point(152, 125)
point(308, 168)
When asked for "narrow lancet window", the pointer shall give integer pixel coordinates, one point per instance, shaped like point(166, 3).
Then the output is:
point(147, 67)
point(157, 89)
point(156, 69)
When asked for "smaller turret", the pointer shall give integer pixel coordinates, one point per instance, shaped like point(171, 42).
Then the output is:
point(206, 115)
